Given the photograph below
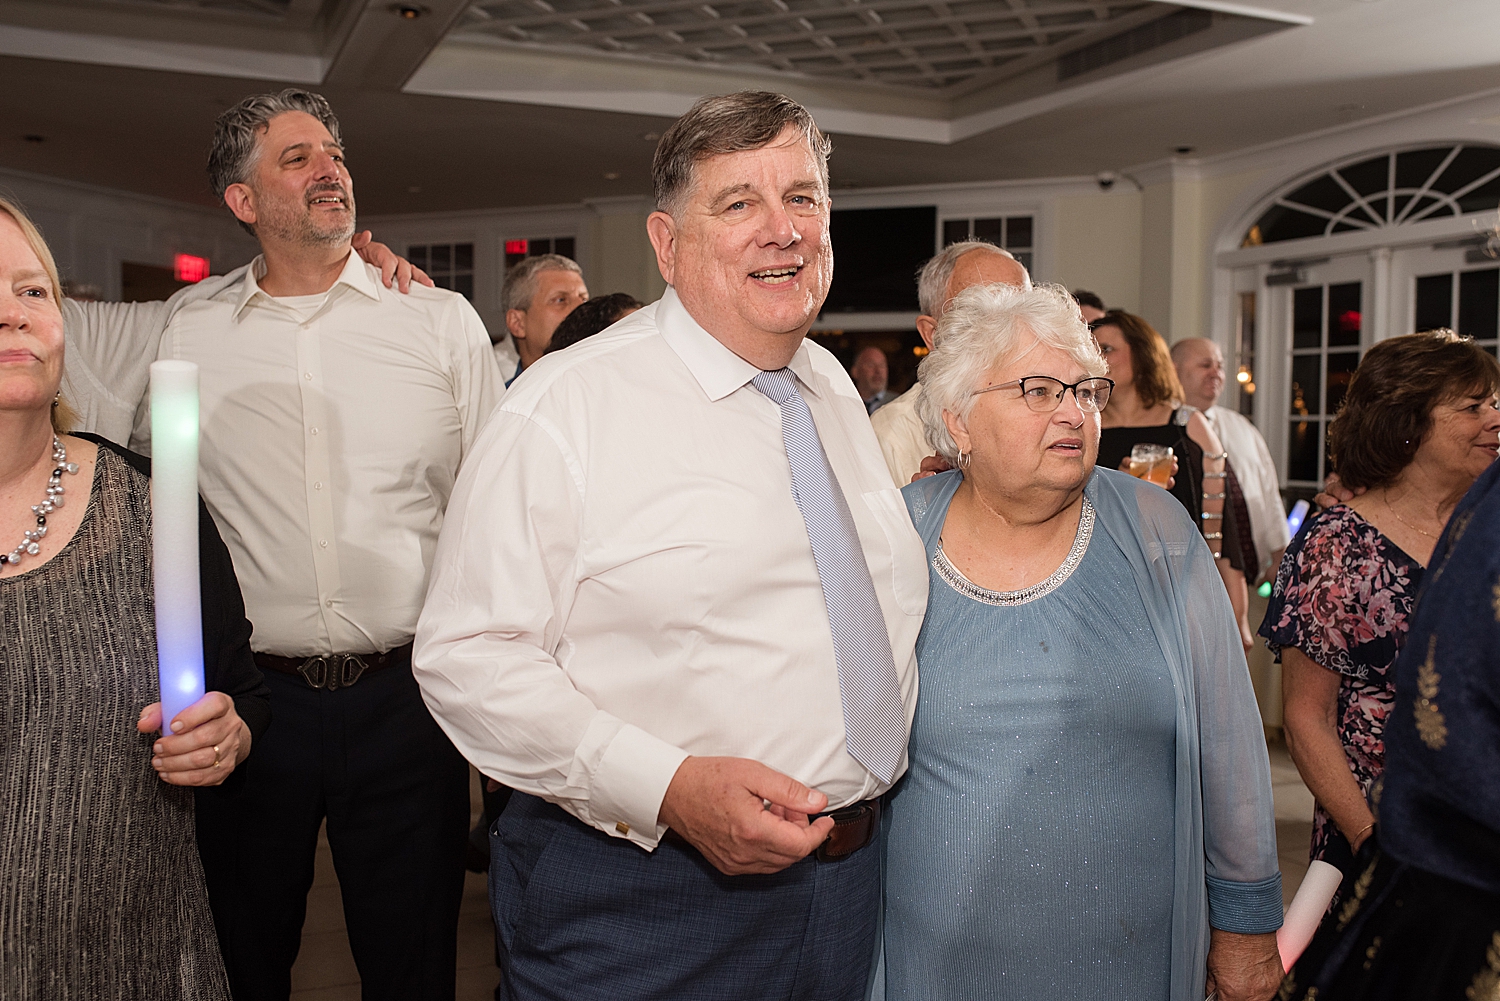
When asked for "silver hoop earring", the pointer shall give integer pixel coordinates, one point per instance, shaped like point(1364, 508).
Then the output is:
point(964, 459)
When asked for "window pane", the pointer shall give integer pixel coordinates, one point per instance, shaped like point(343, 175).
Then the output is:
point(1434, 301)
point(1246, 354)
point(417, 255)
point(463, 257)
point(1024, 257)
point(992, 230)
point(464, 286)
point(1478, 301)
point(1415, 167)
point(1307, 317)
point(1322, 193)
point(1341, 366)
point(1302, 450)
point(537, 246)
point(440, 257)
point(1472, 163)
point(1482, 199)
point(1282, 223)
point(442, 280)
point(1017, 231)
point(564, 245)
point(955, 231)
point(1305, 385)
point(1369, 176)
point(513, 258)
point(1343, 313)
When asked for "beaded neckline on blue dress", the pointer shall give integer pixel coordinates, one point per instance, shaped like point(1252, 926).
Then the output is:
point(955, 579)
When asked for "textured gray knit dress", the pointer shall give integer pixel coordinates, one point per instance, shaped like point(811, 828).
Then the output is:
point(102, 893)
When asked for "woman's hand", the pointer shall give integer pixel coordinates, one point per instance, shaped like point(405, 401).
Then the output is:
point(1243, 967)
point(208, 740)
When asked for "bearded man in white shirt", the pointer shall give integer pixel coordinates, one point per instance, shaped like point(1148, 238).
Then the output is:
point(903, 441)
point(335, 412)
point(1200, 369)
point(681, 665)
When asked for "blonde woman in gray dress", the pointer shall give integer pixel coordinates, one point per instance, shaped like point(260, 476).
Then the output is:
point(102, 895)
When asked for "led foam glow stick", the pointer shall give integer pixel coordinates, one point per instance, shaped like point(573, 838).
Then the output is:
point(174, 535)
point(1306, 913)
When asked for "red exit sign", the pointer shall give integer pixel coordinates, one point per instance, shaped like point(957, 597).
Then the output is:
point(517, 246)
point(187, 268)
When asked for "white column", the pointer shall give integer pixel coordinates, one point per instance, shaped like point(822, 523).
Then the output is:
point(1380, 326)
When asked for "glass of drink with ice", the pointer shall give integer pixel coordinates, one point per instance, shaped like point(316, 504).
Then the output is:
point(1152, 463)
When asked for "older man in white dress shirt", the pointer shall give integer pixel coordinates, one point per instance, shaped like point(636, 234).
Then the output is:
point(675, 607)
point(335, 415)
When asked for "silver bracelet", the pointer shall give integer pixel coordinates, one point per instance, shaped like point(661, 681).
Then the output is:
point(1213, 535)
point(1215, 496)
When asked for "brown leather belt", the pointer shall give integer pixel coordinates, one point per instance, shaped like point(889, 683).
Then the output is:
point(335, 670)
point(854, 827)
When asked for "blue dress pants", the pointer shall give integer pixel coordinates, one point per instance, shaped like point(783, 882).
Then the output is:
point(584, 916)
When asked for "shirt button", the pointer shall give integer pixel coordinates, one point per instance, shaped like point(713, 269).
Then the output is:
point(323, 543)
point(312, 430)
point(307, 376)
point(318, 485)
point(328, 602)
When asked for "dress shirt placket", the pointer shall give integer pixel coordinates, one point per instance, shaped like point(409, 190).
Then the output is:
point(317, 482)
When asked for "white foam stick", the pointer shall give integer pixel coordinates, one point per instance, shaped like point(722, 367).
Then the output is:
point(1306, 913)
point(174, 535)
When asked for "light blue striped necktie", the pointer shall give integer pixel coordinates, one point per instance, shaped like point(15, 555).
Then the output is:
point(874, 716)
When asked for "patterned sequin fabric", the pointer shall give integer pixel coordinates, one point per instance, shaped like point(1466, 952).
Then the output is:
point(101, 891)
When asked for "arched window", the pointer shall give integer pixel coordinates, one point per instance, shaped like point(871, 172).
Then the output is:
point(1380, 192)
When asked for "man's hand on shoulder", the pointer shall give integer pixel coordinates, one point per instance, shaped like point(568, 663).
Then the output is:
point(1334, 492)
point(391, 267)
point(719, 806)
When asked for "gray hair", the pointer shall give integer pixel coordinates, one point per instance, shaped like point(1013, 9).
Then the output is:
point(236, 143)
point(983, 327)
point(520, 281)
point(933, 279)
point(729, 123)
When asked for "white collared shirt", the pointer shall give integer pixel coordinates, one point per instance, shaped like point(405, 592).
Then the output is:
point(1256, 472)
point(902, 437)
point(625, 579)
point(330, 445)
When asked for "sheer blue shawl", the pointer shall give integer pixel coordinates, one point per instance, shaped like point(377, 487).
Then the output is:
point(1226, 874)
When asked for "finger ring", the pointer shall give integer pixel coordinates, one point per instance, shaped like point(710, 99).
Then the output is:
point(216, 755)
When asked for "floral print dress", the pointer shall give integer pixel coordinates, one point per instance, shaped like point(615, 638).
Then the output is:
point(1343, 596)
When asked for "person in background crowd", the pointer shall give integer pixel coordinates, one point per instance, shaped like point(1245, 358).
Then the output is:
point(1200, 369)
point(1421, 918)
point(903, 441)
point(1417, 427)
point(111, 345)
point(1147, 407)
point(539, 292)
point(335, 419)
point(102, 891)
point(589, 318)
point(871, 372)
point(1089, 305)
point(665, 539)
point(1088, 808)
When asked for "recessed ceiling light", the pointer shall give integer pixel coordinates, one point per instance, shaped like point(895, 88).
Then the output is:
point(651, 137)
point(35, 138)
point(408, 11)
point(1184, 150)
point(415, 189)
point(611, 176)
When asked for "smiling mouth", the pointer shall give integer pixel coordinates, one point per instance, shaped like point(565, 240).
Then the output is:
point(776, 276)
point(1067, 447)
point(328, 200)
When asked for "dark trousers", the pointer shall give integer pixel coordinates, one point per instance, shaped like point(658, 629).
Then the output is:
point(583, 916)
point(395, 793)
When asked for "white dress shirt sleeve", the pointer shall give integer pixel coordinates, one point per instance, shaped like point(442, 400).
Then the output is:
point(477, 381)
point(490, 655)
point(109, 350)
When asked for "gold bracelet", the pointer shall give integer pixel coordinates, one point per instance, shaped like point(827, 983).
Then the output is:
point(1362, 830)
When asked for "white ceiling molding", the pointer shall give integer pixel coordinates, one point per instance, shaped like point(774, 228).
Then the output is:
point(1247, 10)
point(171, 57)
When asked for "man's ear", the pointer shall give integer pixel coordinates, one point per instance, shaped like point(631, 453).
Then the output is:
point(958, 430)
point(241, 201)
point(515, 322)
point(927, 327)
point(662, 229)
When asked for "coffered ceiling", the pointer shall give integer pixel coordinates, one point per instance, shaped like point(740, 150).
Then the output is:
point(455, 104)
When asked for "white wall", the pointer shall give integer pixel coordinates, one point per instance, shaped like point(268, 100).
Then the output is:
point(92, 230)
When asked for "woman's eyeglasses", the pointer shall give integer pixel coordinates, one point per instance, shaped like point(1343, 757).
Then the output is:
point(1044, 394)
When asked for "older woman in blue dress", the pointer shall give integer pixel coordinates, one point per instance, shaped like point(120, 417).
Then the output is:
point(1088, 811)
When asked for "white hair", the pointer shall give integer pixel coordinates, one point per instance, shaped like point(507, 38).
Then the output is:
point(933, 279)
point(983, 328)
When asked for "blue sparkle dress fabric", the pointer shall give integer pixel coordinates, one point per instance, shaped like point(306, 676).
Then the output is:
point(1088, 783)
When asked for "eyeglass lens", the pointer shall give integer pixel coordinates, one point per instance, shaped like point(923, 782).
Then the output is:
point(1044, 394)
